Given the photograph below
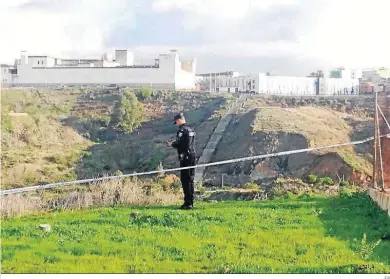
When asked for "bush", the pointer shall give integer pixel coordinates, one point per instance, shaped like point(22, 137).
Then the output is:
point(170, 183)
point(325, 181)
point(328, 181)
point(348, 192)
point(311, 178)
point(251, 185)
point(128, 113)
point(201, 189)
point(146, 93)
point(289, 196)
point(344, 184)
point(367, 249)
point(305, 196)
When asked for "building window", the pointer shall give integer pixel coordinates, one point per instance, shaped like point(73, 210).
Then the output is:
point(38, 62)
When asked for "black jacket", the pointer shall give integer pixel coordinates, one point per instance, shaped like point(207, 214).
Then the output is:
point(185, 140)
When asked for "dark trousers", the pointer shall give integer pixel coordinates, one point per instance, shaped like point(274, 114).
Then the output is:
point(187, 178)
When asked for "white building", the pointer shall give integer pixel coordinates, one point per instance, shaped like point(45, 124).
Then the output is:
point(5, 74)
point(375, 80)
point(279, 85)
point(342, 72)
point(167, 73)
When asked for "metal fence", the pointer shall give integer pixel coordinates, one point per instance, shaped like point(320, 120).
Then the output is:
point(381, 173)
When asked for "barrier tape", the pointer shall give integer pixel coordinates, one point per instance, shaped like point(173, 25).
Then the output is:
point(263, 156)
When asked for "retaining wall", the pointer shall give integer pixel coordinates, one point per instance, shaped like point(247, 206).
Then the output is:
point(381, 198)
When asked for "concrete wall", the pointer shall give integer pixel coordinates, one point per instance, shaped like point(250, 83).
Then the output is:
point(282, 85)
point(279, 85)
point(381, 198)
point(77, 75)
point(340, 86)
point(28, 74)
point(41, 70)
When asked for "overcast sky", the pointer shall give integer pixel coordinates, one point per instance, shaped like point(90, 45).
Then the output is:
point(290, 37)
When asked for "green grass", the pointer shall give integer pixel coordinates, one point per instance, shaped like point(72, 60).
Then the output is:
point(311, 235)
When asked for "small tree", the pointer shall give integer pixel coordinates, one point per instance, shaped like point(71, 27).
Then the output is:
point(146, 93)
point(128, 113)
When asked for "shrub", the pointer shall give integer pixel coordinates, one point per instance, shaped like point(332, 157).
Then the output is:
point(170, 183)
point(128, 113)
point(305, 196)
point(367, 249)
point(289, 196)
point(348, 192)
point(199, 184)
point(311, 178)
point(344, 184)
point(327, 181)
point(146, 93)
point(201, 189)
point(251, 185)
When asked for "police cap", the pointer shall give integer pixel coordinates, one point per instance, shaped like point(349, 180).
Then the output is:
point(178, 116)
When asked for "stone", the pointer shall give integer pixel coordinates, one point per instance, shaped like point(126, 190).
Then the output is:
point(45, 227)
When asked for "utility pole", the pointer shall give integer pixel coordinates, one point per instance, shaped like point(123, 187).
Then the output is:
point(222, 180)
point(380, 149)
point(374, 176)
point(210, 83)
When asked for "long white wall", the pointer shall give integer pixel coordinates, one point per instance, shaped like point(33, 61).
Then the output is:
point(339, 86)
point(104, 75)
point(282, 85)
point(168, 75)
point(279, 85)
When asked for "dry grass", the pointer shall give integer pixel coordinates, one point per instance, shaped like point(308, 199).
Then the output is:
point(36, 148)
point(320, 126)
point(39, 149)
point(110, 193)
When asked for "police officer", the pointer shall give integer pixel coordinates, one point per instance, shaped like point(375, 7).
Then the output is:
point(185, 145)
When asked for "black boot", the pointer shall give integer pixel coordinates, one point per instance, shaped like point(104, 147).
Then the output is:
point(186, 206)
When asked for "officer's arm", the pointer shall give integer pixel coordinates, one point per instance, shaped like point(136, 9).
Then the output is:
point(179, 137)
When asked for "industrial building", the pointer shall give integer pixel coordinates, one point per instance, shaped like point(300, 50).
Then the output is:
point(168, 72)
point(278, 85)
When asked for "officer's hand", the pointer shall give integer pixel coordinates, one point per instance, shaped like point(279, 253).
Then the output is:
point(169, 143)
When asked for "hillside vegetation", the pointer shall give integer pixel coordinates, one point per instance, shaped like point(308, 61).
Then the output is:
point(60, 135)
point(36, 147)
point(321, 127)
point(296, 235)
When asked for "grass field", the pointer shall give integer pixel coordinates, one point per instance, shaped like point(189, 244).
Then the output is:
point(296, 235)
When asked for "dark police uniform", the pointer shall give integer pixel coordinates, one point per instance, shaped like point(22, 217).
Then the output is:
point(185, 145)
